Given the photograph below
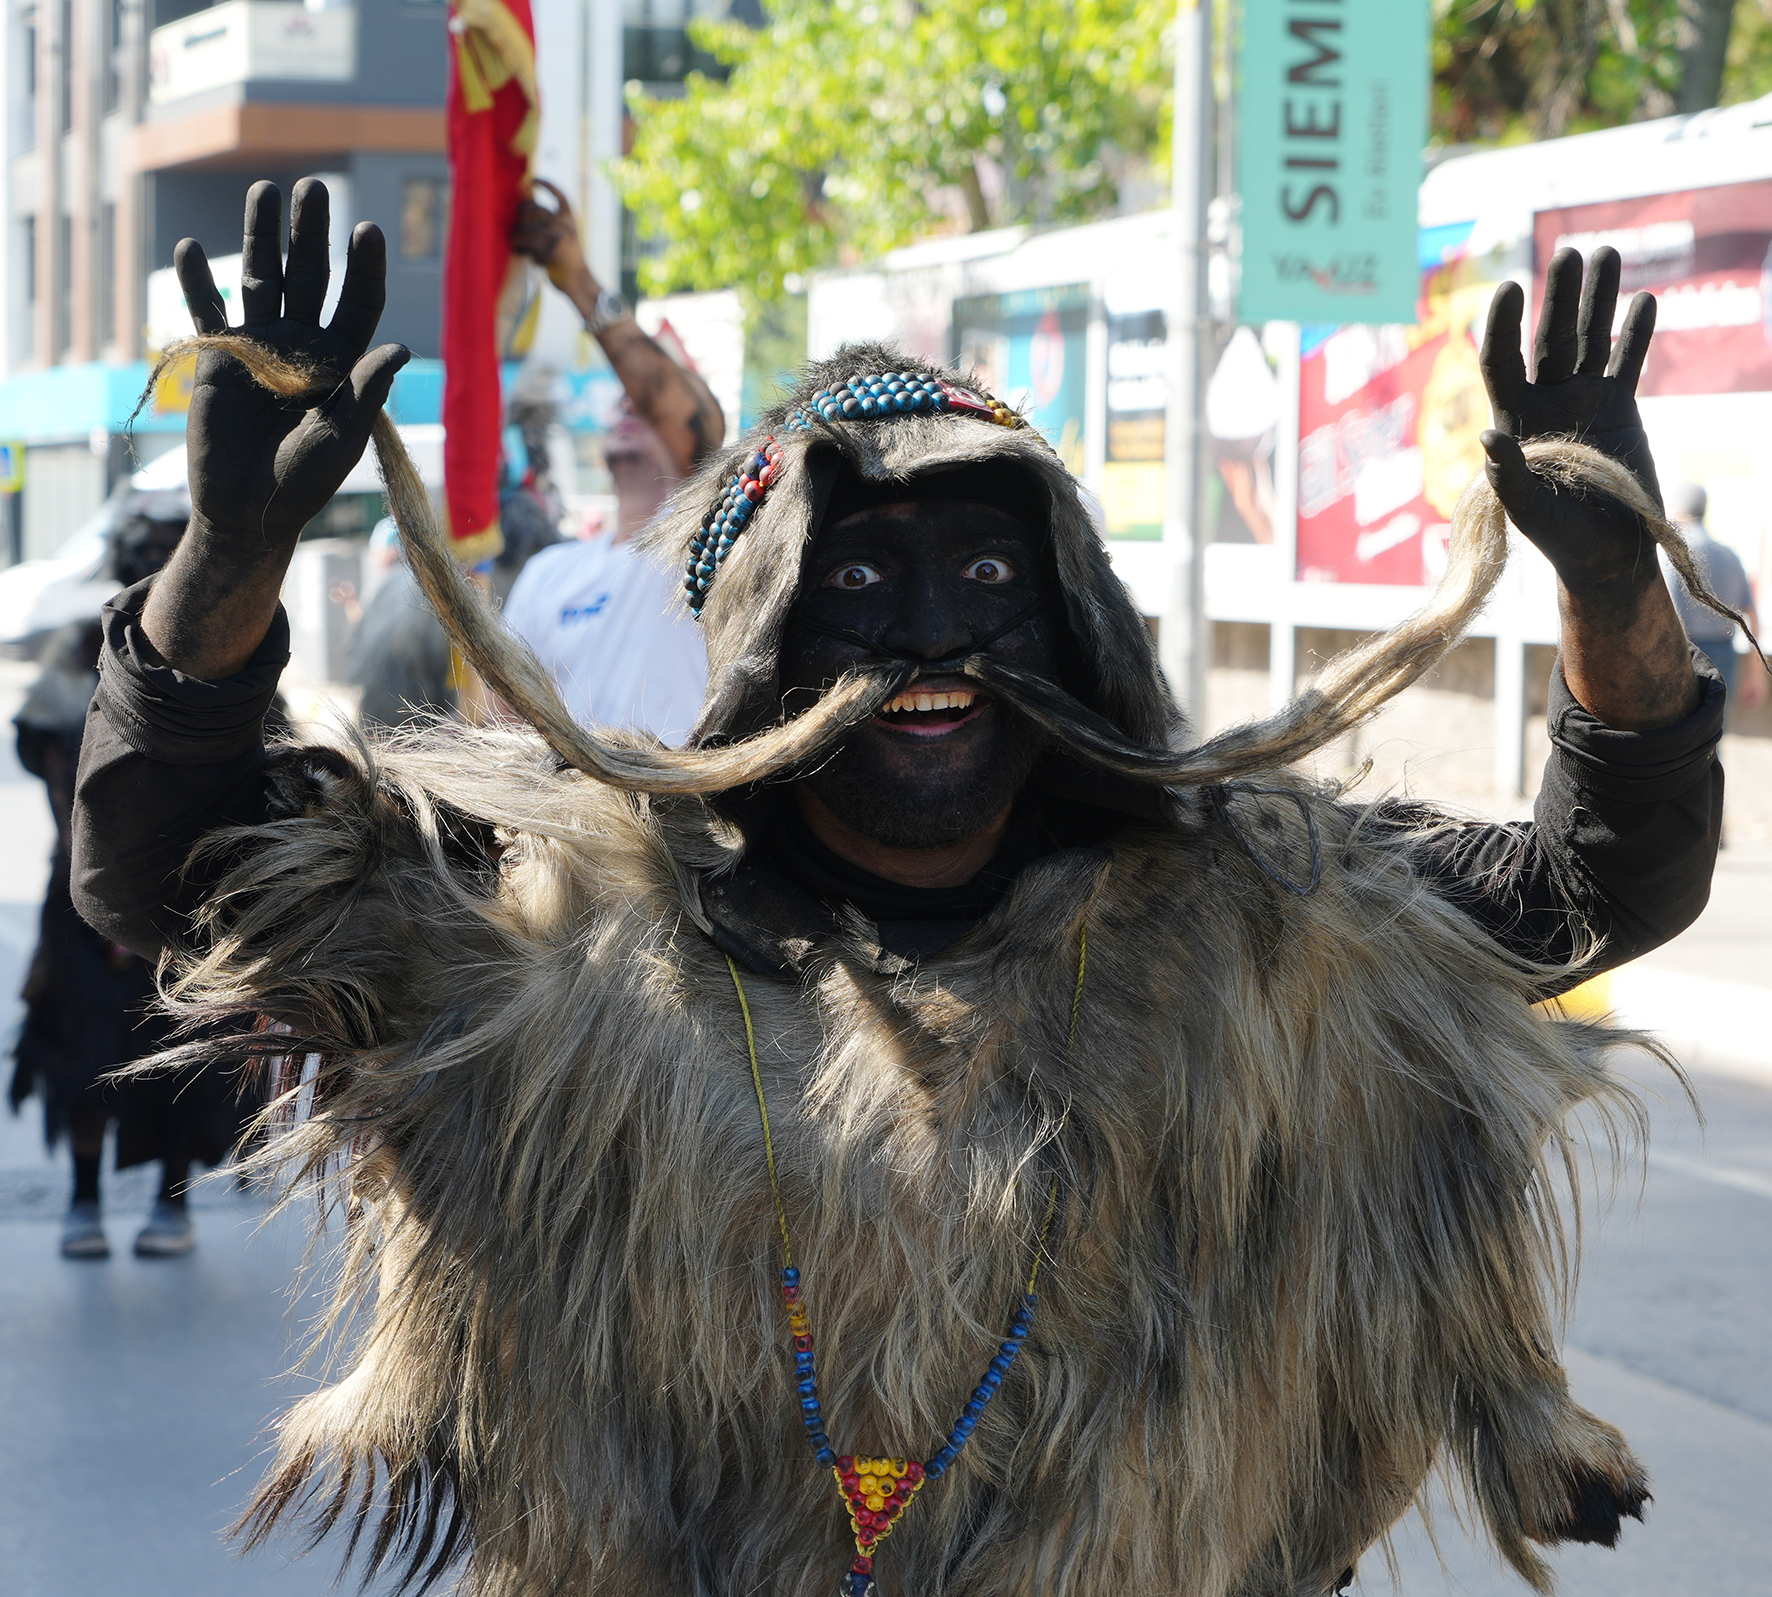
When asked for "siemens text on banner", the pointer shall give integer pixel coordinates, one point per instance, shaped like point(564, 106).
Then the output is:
point(1333, 117)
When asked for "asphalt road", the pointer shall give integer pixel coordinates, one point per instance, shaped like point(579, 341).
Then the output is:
point(135, 1396)
point(1671, 1340)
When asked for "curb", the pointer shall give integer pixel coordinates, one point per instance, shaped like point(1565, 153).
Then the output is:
point(1718, 1028)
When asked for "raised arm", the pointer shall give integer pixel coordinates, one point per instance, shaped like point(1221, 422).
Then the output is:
point(677, 404)
point(260, 467)
point(1625, 827)
point(175, 746)
point(1624, 653)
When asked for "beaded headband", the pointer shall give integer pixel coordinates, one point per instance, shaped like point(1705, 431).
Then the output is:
point(860, 399)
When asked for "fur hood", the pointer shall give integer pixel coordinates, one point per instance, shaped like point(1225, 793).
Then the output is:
point(753, 591)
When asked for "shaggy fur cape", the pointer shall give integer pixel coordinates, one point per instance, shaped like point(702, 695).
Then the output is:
point(1305, 1244)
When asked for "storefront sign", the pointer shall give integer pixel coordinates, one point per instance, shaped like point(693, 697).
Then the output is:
point(1133, 474)
point(1333, 116)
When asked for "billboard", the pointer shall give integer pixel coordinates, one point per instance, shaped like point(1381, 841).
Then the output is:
point(1706, 255)
point(1031, 349)
point(1242, 417)
point(1133, 473)
point(1390, 421)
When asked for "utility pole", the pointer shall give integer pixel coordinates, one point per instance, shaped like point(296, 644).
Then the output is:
point(1184, 641)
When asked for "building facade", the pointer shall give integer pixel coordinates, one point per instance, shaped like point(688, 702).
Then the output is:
point(132, 125)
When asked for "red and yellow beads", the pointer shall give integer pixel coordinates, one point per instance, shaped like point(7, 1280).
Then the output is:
point(876, 1492)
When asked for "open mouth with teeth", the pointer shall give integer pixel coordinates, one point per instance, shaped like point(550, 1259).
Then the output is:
point(926, 711)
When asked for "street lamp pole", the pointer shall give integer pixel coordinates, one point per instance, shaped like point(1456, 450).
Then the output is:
point(1184, 642)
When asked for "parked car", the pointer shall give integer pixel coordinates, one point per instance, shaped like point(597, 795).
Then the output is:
point(39, 597)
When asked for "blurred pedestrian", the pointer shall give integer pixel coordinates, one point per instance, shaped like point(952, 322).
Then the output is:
point(603, 620)
point(400, 657)
point(89, 1002)
point(529, 516)
point(1722, 568)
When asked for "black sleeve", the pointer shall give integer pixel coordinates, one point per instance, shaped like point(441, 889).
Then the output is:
point(1621, 846)
point(165, 759)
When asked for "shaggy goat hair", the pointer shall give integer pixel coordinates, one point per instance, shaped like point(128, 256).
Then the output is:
point(1307, 1244)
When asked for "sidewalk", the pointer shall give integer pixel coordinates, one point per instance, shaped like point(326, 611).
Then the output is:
point(1708, 994)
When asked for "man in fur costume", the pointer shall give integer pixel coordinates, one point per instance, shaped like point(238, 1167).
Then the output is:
point(940, 973)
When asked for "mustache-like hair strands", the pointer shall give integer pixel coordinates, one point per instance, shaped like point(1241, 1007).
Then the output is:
point(1349, 691)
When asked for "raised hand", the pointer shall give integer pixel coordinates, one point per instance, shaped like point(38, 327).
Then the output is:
point(262, 467)
point(550, 238)
point(1623, 651)
point(1581, 388)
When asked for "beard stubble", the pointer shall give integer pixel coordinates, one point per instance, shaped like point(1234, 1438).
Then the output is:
point(939, 807)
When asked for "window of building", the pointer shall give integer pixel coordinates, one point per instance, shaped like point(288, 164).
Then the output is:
point(107, 272)
point(655, 44)
point(424, 210)
point(65, 60)
point(28, 50)
point(113, 55)
point(64, 286)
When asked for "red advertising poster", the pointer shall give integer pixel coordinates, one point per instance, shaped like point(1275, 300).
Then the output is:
point(1389, 423)
point(1704, 254)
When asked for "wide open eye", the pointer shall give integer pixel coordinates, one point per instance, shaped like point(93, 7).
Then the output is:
point(857, 575)
point(990, 569)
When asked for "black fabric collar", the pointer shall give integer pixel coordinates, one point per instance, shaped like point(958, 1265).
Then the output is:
point(790, 902)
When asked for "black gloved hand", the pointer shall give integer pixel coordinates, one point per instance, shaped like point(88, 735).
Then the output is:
point(1596, 545)
point(262, 467)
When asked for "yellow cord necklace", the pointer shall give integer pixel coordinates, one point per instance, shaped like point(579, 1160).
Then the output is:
point(876, 1491)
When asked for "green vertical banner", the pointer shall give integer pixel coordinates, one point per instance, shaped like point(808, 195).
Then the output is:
point(1332, 119)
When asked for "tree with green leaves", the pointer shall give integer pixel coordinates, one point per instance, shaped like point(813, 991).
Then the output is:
point(848, 127)
point(845, 128)
point(1529, 69)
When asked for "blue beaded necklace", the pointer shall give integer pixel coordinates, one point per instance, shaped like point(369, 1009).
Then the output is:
point(877, 1491)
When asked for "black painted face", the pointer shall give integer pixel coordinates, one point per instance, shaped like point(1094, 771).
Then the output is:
point(929, 581)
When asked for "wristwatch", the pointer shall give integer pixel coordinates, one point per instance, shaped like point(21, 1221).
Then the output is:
point(610, 309)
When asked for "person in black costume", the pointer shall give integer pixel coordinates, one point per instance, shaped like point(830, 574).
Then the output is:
point(89, 1001)
point(1271, 1070)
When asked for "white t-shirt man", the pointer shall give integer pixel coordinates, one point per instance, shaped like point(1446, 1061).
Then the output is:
point(600, 618)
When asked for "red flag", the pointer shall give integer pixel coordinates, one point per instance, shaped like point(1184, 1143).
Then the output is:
point(493, 118)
